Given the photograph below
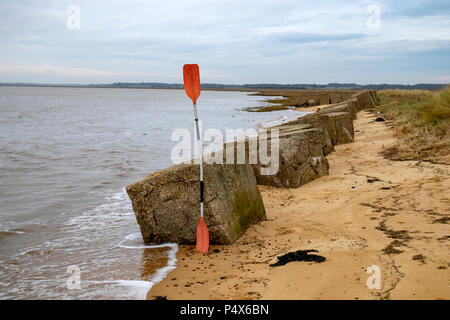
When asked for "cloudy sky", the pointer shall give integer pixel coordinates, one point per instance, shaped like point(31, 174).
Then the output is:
point(233, 41)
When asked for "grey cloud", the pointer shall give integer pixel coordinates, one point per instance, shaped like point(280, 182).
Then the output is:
point(236, 37)
point(301, 37)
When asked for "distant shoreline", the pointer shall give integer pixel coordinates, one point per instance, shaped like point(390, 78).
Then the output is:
point(115, 87)
point(244, 87)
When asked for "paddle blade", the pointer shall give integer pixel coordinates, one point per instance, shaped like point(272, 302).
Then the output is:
point(191, 78)
point(202, 237)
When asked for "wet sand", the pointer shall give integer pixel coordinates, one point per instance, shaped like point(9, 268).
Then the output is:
point(367, 211)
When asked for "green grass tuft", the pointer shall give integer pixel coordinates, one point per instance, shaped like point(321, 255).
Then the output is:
point(422, 120)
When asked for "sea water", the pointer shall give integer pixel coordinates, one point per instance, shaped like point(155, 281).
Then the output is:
point(66, 155)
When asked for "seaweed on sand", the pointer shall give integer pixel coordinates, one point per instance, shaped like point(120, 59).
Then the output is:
point(299, 255)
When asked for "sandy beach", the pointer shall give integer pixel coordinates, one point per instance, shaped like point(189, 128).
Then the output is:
point(368, 211)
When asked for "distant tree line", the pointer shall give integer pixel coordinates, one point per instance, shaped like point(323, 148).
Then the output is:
point(329, 86)
point(348, 86)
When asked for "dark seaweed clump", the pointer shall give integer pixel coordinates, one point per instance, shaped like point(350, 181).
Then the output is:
point(299, 255)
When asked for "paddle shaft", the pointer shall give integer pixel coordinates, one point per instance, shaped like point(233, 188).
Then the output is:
point(201, 160)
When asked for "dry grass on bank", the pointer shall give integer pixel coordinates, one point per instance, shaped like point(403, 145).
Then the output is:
point(422, 121)
point(297, 98)
point(284, 102)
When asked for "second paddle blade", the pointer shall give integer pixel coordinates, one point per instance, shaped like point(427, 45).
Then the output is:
point(202, 237)
point(191, 78)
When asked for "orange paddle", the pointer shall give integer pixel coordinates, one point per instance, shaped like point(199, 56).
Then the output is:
point(191, 77)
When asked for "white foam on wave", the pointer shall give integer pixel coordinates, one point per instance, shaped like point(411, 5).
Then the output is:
point(114, 212)
point(283, 119)
point(12, 231)
point(171, 264)
point(134, 289)
point(12, 228)
point(139, 288)
point(134, 241)
point(274, 122)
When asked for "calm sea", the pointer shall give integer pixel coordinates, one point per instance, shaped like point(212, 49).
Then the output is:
point(66, 155)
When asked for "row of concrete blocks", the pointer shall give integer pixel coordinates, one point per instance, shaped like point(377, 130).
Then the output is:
point(318, 97)
point(166, 203)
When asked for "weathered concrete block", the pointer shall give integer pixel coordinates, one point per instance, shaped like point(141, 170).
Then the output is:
point(336, 125)
point(340, 97)
point(340, 126)
point(324, 98)
point(353, 107)
point(167, 203)
point(345, 106)
point(286, 128)
point(310, 121)
point(373, 94)
point(301, 159)
point(300, 101)
point(365, 100)
point(336, 98)
point(311, 102)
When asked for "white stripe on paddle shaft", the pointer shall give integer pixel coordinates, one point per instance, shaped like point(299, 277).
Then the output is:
point(201, 155)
